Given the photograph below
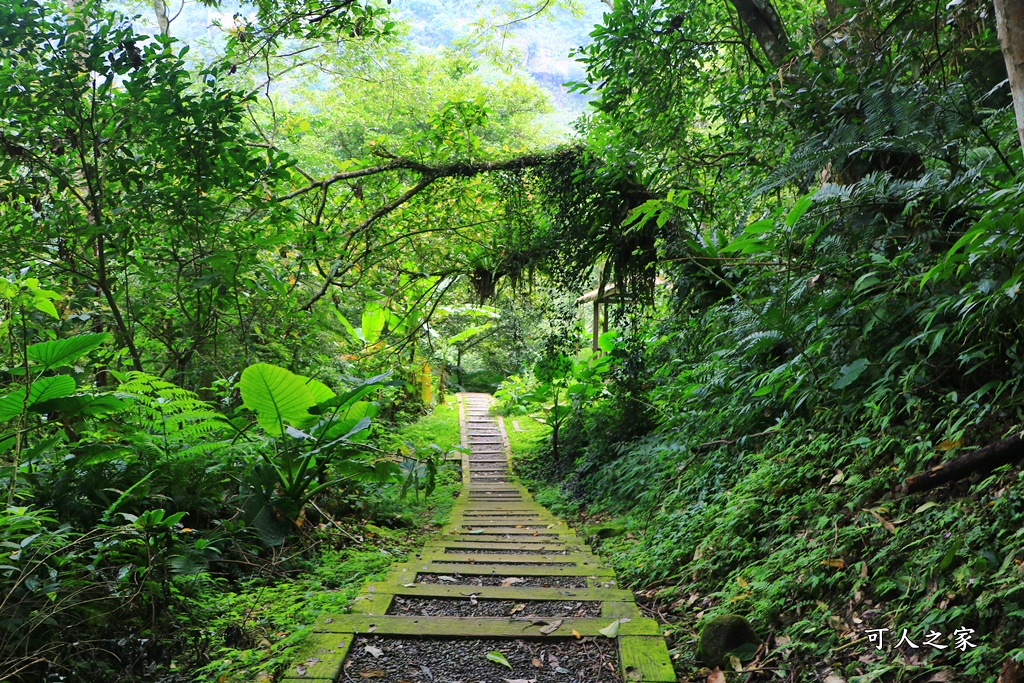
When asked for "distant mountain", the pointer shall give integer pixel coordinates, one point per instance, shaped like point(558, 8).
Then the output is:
point(543, 43)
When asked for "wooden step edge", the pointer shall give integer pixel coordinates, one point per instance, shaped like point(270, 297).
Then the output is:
point(556, 527)
point(645, 659)
point(433, 590)
point(320, 658)
point(477, 627)
point(467, 569)
point(620, 609)
point(543, 530)
point(552, 547)
point(528, 539)
point(581, 559)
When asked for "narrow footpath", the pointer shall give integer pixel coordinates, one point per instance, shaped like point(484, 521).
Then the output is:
point(507, 594)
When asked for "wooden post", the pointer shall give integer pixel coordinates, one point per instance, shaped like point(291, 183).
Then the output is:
point(597, 319)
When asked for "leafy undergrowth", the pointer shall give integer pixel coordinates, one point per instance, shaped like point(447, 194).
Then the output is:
point(262, 623)
point(805, 532)
point(806, 535)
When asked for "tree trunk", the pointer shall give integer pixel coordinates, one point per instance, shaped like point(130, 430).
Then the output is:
point(982, 460)
point(761, 17)
point(1010, 22)
point(160, 9)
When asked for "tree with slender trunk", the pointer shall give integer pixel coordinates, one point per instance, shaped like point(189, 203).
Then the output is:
point(1010, 22)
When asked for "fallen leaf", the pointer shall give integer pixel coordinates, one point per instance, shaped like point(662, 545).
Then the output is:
point(735, 663)
point(449, 579)
point(884, 522)
point(577, 634)
point(375, 652)
point(716, 676)
point(551, 627)
point(836, 479)
point(511, 580)
point(498, 658)
point(537, 664)
point(478, 531)
point(612, 629)
point(832, 678)
point(373, 673)
point(408, 585)
point(742, 582)
point(838, 564)
point(518, 608)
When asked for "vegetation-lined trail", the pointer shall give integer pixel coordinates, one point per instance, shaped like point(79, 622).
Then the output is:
point(504, 570)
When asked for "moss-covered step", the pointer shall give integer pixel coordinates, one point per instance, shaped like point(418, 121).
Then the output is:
point(536, 531)
point(503, 517)
point(500, 559)
point(472, 569)
point(478, 627)
point(527, 539)
point(474, 513)
point(450, 545)
point(481, 507)
point(645, 659)
point(320, 659)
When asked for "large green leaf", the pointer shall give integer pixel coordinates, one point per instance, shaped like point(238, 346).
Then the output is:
point(45, 389)
point(321, 392)
point(348, 326)
point(471, 332)
point(61, 352)
point(277, 396)
point(82, 404)
point(374, 317)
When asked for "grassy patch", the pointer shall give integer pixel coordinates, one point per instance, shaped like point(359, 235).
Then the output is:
point(524, 443)
point(528, 449)
point(441, 428)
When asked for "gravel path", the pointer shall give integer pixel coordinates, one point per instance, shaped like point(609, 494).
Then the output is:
point(472, 607)
point(523, 582)
point(464, 551)
point(434, 660)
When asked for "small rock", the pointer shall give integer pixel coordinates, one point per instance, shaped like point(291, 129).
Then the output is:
point(723, 635)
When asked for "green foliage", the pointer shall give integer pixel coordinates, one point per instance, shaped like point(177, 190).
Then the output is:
point(296, 465)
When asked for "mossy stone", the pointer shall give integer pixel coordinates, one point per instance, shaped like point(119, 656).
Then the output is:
point(380, 531)
point(729, 633)
point(607, 530)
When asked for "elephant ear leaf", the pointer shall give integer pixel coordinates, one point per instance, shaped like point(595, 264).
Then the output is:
point(45, 389)
point(321, 392)
point(278, 397)
point(60, 352)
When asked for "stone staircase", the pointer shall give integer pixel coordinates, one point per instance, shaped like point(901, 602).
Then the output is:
point(505, 576)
